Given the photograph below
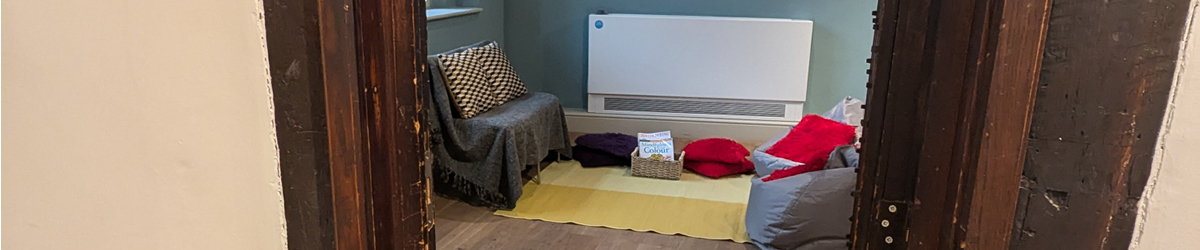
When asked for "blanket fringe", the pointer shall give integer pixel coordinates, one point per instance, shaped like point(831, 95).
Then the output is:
point(453, 186)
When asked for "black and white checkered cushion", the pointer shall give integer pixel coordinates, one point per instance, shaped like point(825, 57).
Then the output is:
point(468, 83)
point(504, 80)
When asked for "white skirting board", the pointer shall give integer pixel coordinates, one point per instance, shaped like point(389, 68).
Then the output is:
point(581, 121)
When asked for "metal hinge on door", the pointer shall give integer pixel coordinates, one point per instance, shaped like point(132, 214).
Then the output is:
point(891, 223)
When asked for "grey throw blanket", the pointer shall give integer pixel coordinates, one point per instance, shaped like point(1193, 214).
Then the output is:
point(480, 160)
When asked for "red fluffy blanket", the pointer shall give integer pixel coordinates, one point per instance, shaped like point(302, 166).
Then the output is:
point(810, 143)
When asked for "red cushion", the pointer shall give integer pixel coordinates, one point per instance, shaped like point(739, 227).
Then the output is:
point(712, 169)
point(716, 150)
point(810, 142)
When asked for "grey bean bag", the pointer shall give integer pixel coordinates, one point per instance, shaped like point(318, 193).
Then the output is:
point(805, 211)
point(808, 211)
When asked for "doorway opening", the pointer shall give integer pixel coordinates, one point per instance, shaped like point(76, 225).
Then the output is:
point(948, 109)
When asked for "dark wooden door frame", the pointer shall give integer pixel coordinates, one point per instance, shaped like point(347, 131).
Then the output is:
point(343, 107)
point(1105, 83)
point(373, 53)
point(950, 99)
point(348, 77)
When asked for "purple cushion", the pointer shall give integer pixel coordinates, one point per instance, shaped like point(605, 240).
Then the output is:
point(613, 143)
point(589, 157)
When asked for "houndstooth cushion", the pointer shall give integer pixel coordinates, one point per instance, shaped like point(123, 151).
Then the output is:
point(504, 80)
point(468, 83)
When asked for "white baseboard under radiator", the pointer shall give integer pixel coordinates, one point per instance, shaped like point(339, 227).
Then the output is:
point(696, 108)
point(581, 121)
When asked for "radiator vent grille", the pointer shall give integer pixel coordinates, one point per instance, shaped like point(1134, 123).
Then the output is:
point(696, 107)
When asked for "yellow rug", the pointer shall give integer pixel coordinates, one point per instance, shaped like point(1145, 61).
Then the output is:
point(694, 206)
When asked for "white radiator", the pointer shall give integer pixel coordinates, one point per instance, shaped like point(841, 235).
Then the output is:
point(703, 67)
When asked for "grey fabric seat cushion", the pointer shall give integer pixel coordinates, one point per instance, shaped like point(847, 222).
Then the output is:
point(805, 211)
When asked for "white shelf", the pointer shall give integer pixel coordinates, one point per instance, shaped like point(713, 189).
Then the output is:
point(443, 13)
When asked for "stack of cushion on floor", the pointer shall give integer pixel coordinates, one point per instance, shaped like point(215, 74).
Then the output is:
point(606, 149)
point(801, 198)
point(717, 157)
point(713, 157)
point(805, 148)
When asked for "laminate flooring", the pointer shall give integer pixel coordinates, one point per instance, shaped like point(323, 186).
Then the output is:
point(462, 226)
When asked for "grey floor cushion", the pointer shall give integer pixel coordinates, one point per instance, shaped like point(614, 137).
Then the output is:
point(805, 211)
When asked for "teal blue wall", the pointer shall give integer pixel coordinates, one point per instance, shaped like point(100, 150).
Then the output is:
point(547, 40)
point(454, 32)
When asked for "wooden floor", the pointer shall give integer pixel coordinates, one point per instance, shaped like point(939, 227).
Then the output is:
point(462, 226)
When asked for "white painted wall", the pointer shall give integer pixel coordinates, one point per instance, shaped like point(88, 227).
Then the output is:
point(1169, 213)
point(138, 124)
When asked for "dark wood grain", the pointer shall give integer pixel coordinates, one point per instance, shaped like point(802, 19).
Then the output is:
point(349, 115)
point(293, 44)
point(868, 186)
point(1011, 66)
point(1104, 84)
point(952, 99)
point(893, 127)
point(350, 122)
point(955, 103)
point(394, 82)
point(347, 144)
